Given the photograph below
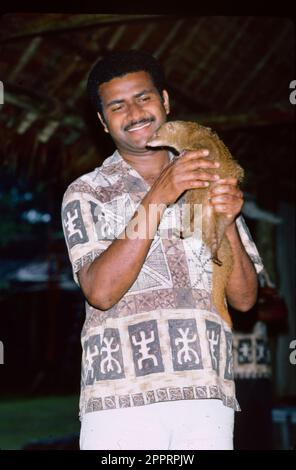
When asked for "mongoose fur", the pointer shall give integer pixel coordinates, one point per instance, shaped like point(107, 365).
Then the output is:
point(185, 135)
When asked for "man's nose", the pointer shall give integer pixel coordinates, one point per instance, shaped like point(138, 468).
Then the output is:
point(135, 111)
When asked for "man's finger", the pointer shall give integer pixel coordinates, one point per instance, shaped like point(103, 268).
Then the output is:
point(189, 154)
point(229, 180)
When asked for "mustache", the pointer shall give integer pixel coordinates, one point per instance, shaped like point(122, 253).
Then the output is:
point(139, 122)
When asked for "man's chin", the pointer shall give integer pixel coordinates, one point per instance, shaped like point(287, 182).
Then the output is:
point(141, 144)
point(142, 150)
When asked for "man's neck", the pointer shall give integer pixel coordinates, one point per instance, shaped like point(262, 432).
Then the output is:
point(149, 165)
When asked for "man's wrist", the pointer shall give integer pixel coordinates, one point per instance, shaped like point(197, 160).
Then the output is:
point(154, 197)
point(231, 230)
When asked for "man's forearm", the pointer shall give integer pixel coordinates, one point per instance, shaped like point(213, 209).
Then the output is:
point(242, 287)
point(108, 277)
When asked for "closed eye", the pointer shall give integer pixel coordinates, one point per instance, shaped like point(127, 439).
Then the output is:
point(117, 108)
point(144, 98)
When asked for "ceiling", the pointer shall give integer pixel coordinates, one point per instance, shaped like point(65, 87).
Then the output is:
point(229, 72)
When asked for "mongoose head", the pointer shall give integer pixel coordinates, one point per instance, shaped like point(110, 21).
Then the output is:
point(175, 134)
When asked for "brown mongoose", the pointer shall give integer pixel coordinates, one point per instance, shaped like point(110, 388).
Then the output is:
point(185, 135)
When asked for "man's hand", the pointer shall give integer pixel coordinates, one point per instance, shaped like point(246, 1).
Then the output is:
point(242, 285)
point(186, 172)
point(227, 198)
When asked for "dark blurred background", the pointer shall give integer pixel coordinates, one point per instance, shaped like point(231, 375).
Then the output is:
point(231, 73)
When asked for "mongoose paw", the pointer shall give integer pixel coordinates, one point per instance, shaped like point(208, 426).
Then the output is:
point(216, 260)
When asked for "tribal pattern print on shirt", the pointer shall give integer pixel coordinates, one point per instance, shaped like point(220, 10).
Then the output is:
point(163, 340)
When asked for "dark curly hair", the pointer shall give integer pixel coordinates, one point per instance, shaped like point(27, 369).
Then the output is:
point(119, 63)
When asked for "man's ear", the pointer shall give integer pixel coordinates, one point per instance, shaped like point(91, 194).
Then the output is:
point(103, 123)
point(166, 101)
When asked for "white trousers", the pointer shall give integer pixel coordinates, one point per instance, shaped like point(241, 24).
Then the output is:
point(176, 425)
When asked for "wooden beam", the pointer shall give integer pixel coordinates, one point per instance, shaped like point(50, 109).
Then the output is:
point(29, 99)
point(20, 26)
point(22, 102)
point(250, 78)
point(25, 58)
point(46, 107)
point(276, 114)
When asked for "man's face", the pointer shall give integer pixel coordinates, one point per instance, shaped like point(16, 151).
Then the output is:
point(132, 111)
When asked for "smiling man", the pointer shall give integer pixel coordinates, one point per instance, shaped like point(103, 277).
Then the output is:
point(157, 356)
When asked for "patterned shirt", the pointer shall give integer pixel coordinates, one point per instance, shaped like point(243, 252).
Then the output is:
point(164, 339)
point(251, 353)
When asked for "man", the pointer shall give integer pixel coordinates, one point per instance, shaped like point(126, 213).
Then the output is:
point(156, 365)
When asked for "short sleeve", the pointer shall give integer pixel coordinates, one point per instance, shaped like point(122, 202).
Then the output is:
point(85, 227)
point(249, 244)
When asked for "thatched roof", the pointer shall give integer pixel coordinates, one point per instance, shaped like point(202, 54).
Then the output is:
point(232, 73)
